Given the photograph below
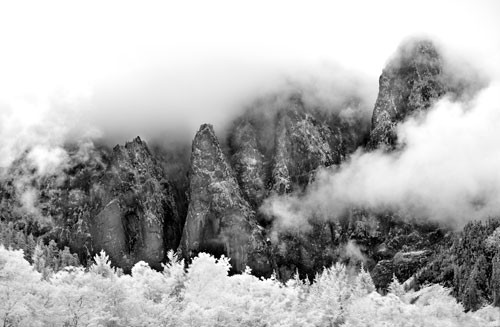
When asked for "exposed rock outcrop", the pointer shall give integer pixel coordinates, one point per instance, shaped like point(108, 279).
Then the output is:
point(276, 150)
point(121, 200)
point(410, 83)
point(220, 220)
point(302, 144)
point(403, 265)
point(115, 200)
point(139, 209)
point(248, 162)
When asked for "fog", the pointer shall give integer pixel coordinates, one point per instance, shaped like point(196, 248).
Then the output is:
point(447, 170)
point(106, 72)
point(117, 70)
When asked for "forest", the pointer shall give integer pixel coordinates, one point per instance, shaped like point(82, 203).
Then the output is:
point(274, 164)
point(203, 293)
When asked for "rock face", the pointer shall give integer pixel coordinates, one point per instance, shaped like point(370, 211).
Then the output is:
point(302, 144)
point(296, 140)
point(121, 200)
point(409, 84)
point(248, 162)
point(404, 265)
point(139, 220)
point(219, 219)
point(276, 150)
point(118, 200)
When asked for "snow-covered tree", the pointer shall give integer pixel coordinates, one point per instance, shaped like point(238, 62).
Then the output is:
point(18, 281)
point(396, 288)
point(364, 283)
point(205, 295)
point(102, 265)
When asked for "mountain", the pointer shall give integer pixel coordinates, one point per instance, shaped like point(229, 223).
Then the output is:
point(130, 202)
point(219, 219)
point(410, 83)
point(139, 218)
point(117, 200)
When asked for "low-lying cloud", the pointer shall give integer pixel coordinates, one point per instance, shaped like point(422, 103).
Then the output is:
point(447, 170)
point(158, 108)
point(108, 72)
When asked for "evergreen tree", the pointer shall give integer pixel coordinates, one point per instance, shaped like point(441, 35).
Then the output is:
point(471, 293)
point(67, 258)
point(30, 247)
point(364, 283)
point(495, 279)
point(38, 259)
point(396, 288)
point(102, 265)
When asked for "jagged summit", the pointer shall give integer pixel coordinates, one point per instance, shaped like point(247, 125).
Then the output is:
point(278, 146)
point(219, 219)
point(410, 83)
point(249, 162)
point(208, 127)
point(123, 201)
point(416, 51)
point(138, 207)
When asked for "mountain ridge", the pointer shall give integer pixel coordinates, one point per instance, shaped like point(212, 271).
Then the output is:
point(123, 201)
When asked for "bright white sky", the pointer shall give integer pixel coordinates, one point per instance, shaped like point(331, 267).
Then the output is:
point(204, 51)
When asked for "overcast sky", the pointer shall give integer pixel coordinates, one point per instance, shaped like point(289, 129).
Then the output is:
point(116, 69)
point(125, 68)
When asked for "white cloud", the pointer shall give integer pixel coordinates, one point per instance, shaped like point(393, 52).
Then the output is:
point(447, 170)
point(159, 69)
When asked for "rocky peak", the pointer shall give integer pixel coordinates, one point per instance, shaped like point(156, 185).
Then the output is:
point(219, 219)
point(136, 154)
point(206, 150)
point(411, 82)
point(302, 144)
point(248, 162)
point(277, 146)
point(139, 219)
point(137, 145)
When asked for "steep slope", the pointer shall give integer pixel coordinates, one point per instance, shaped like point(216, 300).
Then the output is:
point(115, 200)
point(121, 200)
point(469, 264)
point(410, 83)
point(302, 144)
point(248, 162)
point(293, 141)
point(139, 220)
point(276, 148)
point(219, 219)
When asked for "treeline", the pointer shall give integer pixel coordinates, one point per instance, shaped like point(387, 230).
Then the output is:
point(204, 294)
point(45, 258)
point(471, 266)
